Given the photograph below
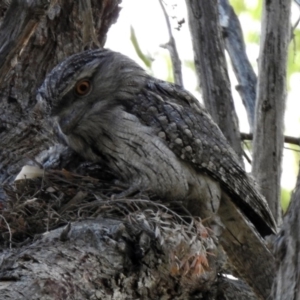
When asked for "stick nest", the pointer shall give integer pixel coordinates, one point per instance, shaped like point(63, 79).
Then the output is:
point(35, 206)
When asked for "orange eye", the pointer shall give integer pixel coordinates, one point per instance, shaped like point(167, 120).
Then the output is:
point(82, 87)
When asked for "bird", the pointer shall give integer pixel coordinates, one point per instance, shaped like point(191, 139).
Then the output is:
point(158, 137)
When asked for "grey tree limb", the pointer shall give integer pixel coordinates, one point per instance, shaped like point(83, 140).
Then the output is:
point(235, 46)
point(240, 243)
point(270, 102)
point(104, 259)
point(98, 259)
point(287, 252)
point(234, 289)
point(211, 68)
point(287, 139)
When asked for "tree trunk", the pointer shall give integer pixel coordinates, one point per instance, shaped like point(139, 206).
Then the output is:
point(287, 249)
point(211, 68)
point(270, 103)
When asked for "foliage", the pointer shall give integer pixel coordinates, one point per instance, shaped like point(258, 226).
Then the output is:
point(285, 199)
point(144, 57)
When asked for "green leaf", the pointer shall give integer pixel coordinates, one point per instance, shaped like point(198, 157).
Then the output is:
point(239, 6)
point(145, 58)
point(285, 199)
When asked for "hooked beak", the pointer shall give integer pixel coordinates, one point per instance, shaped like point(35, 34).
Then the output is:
point(68, 121)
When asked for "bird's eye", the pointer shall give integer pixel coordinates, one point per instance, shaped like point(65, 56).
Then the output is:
point(82, 87)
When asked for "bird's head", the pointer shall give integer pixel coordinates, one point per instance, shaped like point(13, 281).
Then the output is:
point(93, 80)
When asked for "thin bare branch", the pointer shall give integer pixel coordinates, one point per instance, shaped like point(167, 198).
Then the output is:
point(171, 47)
point(287, 139)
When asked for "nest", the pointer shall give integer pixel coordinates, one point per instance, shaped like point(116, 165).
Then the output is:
point(35, 206)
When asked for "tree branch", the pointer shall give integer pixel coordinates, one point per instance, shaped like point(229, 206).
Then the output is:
point(287, 250)
point(235, 46)
point(287, 139)
point(211, 68)
point(171, 46)
point(270, 102)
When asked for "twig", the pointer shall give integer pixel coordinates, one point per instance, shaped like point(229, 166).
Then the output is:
point(287, 139)
point(171, 47)
point(296, 23)
point(9, 230)
point(288, 148)
point(149, 202)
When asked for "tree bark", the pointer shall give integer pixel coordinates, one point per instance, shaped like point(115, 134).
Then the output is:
point(240, 243)
point(235, 46)
point(270, 102)
point(103, 259)
point(287, 251)
point(120, 249)
point(211, 68)
point(37, 41)
point(96, 259)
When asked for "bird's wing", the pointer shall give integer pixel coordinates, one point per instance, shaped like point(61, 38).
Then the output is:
point(195, 138)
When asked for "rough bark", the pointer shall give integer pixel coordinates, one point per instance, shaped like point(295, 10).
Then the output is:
point(270, 102)
point(37, 41)
point(129, 251)
point(287, 251)
point(103, 259)
point(211, 68)
point(235, 46)
point(240, 245)
point(97, 259)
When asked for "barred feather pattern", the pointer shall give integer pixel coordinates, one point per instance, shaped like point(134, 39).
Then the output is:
point(154, 134)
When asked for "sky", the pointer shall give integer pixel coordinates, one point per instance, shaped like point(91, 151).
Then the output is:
point(148, 21)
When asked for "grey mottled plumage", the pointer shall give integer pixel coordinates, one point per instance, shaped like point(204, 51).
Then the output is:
point(154, 134)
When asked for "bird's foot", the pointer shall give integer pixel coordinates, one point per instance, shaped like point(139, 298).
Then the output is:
point(129, 190)
point(55, 157)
